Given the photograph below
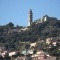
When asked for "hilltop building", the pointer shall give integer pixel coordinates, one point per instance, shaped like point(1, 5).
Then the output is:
point(41, 20)
point(45, 18)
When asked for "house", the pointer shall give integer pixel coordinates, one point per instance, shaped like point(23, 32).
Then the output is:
point(24, 29)
point(26, 52)
point(30, 51)
point(33, 44)
point(48, 40)
point(12, 53)
point(53, 40)
point(54, 43)
point(41, 55)
point(3, 54)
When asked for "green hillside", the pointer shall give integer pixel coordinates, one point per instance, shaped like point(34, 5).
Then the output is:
point(50, 28)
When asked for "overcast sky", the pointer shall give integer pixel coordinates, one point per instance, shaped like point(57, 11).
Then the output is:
point(16, 11)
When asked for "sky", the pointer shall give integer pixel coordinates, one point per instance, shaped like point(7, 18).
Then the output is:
point(16, 11)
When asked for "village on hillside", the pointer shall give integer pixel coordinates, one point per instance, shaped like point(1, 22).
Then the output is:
point(38, 50)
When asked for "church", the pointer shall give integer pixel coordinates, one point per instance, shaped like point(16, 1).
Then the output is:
point(41, 20)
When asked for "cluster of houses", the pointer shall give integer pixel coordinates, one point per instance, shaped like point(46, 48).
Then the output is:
point(53, 41)
point(3, 53)
point(39, 55)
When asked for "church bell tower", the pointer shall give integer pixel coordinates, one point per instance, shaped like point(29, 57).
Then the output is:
point(30, 17)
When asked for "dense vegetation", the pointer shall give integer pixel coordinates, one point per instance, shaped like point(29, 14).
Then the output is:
point(50, 28)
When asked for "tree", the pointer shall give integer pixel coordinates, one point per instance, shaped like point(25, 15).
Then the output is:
point(27, 45)
point(10, 24)
point(1, 30)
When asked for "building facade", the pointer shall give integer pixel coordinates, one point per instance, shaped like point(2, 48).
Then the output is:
point(30, 17)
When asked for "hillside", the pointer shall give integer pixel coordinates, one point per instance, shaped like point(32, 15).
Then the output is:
point(10, 40)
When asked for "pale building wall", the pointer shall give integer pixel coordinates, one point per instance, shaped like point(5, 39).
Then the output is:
point(48, 40)
point(12, 53)
point(33, 44)
point(30, 17)
point(45, 18)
